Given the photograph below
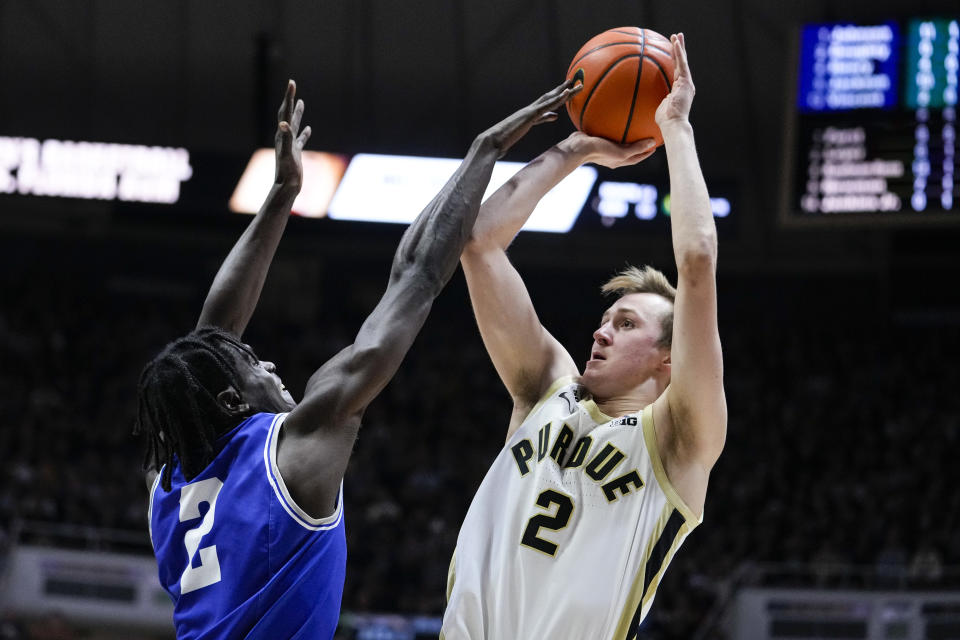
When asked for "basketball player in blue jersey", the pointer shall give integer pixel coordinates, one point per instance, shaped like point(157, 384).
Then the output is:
point(246, 499)
point(604, 472)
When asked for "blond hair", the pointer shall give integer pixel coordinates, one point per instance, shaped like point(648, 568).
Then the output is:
point(646, 280)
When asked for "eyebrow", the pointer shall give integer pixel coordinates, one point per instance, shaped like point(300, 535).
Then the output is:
point(620, 311)
point(624, 311)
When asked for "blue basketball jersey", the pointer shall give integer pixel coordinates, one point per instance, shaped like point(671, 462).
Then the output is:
point(237, 555)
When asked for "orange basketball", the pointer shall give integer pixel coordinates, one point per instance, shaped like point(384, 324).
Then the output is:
point(626, 72)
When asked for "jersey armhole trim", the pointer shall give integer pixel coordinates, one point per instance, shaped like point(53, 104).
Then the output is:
point(280, 488)
point(554, 387)
point(650, 437)
point(153, 491)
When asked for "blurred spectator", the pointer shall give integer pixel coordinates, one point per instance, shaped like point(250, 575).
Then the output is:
point(53, 626)
point(891, 563)
point(926, 566)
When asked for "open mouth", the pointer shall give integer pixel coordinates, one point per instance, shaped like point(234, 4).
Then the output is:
point(597, 356)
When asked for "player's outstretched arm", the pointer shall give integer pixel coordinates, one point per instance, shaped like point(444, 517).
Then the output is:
point(320, 432)
point(527, 358)
point(236, 288)
point(691, 417)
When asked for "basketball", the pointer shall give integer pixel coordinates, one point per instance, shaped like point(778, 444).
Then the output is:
point(626, 73)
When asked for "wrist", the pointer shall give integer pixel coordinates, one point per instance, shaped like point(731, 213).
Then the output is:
point(576, 147)
point(286, 187)
point(675, 127)
point(281, 196)
point(484, 145)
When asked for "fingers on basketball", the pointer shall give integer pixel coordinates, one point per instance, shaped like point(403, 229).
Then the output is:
point(680, 54)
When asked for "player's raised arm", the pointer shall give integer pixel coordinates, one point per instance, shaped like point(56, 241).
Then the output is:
point(692, 414)
point(524, 353)
point(320, 432)
point(236, 288)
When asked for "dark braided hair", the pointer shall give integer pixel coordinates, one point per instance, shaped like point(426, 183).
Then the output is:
point(177, 406)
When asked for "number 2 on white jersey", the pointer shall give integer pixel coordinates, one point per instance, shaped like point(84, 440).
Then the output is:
point(208, 572)
point(555, 522)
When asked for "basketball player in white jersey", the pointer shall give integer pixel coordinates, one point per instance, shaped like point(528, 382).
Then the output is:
point(603, 473)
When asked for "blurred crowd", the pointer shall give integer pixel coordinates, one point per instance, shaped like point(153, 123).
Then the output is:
point(843, 434)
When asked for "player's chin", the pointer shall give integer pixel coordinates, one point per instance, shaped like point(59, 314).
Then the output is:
point(590, 377)
point(599, 383)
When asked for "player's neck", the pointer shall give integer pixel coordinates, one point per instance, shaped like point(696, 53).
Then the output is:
point(630, 402)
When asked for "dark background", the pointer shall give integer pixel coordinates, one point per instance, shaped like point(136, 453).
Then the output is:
point(421, 78)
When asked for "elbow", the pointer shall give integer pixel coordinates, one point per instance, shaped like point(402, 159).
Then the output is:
point(480, 245)
point(410, 274)
point(476, 246)
point(698, 258)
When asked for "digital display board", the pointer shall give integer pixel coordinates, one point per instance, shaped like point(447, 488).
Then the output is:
point(370, 187)
point(873, 135)
point(848, 67)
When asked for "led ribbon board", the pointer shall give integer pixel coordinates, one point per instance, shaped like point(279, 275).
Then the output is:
point(385, 188)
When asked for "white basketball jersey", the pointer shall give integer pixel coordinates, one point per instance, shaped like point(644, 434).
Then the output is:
point(570, 531)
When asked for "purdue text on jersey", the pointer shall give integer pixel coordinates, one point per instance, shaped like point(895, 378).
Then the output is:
point(578, 504)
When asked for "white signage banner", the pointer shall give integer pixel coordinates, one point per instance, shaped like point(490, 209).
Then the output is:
point(93, 170)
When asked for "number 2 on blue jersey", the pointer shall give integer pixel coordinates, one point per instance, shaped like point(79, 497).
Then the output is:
point(208, 571)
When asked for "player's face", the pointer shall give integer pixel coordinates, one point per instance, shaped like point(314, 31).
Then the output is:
point(625, 353)
point(262, 388)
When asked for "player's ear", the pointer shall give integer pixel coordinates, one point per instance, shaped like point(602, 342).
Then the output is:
point(665, 359)
point(230, 400)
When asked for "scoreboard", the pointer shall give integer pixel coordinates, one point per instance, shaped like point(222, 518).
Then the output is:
point(872, 135)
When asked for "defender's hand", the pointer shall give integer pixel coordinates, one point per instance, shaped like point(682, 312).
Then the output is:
point(676, 106)
point(289, 140)
point(504, 134)
point(606, 153)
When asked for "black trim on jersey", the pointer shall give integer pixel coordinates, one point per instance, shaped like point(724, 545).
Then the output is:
point(654, 562)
